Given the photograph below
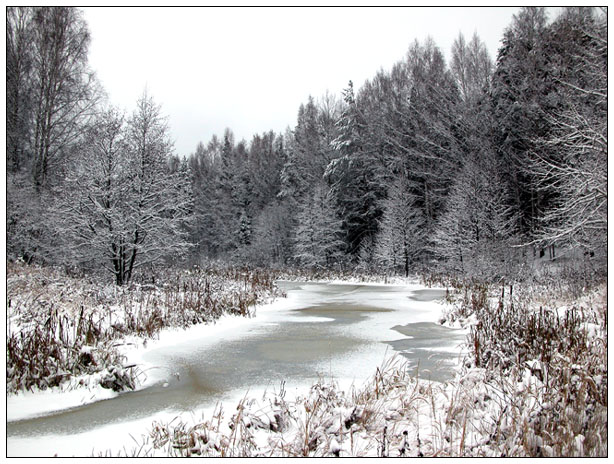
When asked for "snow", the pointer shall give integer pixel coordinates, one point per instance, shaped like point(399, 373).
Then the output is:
point(41, 402)
point(356, 366)
point(114, 437)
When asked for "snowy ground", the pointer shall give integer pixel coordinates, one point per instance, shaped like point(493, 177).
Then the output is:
point(352, 368)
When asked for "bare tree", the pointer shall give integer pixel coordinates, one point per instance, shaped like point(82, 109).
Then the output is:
point(124, 207)
point(18, 84)
point(64, 90)
point(51, 94)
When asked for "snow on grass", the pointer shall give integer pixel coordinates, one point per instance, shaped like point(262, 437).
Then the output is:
point(66, 334)
point(487, 411)
point(151, 372)
point(504, 401)
point(86, 389)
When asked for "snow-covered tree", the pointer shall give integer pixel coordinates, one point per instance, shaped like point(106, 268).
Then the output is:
point(51, 96)
point(318, 236)
point(520, 94)
point(353, 174)
point(123, 207)
point(204, 168)
point(19, 62)
point(471, 66)
point(572, 159)
point(418, 119)
point(473, 232)
point(27, 226)
point(306, 153)
point(92, 214)
point(265, 161)
point(64, 89)
point(401, 236)
point(271, 241)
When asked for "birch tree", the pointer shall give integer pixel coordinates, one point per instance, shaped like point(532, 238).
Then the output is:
point(64, 89)
point(18, 85)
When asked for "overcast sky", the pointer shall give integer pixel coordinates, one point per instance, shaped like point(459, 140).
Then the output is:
point(249, 69)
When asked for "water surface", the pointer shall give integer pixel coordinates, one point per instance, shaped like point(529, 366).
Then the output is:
point(340, 331)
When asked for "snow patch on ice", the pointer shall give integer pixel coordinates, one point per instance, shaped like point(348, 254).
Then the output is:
point(42, 402)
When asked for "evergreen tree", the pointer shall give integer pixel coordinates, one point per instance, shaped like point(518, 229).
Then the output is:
point(400, 240)
point(306, 154)
point(520, 96)
point(204, 168)
point(353, 175)
point(318, 241)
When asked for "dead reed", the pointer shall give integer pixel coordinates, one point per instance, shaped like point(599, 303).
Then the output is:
point(61, 327)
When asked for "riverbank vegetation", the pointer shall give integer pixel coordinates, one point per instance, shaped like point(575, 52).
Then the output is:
point(486, 178)
point(533, 383)
point(62, 328)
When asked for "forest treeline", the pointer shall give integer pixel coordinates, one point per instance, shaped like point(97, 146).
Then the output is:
point(470, 166)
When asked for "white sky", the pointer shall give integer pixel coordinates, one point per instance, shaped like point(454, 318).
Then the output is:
point(249, 69)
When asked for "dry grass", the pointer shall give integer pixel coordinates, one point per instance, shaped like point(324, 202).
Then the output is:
point(534, 384)
point(61, 327)
point(544, 361)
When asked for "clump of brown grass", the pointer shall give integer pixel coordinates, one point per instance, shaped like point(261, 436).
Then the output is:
point(547, 365)
point(61, 326)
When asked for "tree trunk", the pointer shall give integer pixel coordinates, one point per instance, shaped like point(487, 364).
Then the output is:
point(406, 256)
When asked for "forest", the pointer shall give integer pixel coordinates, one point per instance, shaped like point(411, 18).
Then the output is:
point(480, 180)
point(474, 166)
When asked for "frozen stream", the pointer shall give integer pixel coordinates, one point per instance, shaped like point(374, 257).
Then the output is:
point(339, 331)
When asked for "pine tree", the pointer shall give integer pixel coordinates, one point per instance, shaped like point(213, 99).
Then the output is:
point(306, 153)
point(353, 174)
point(521, 94)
